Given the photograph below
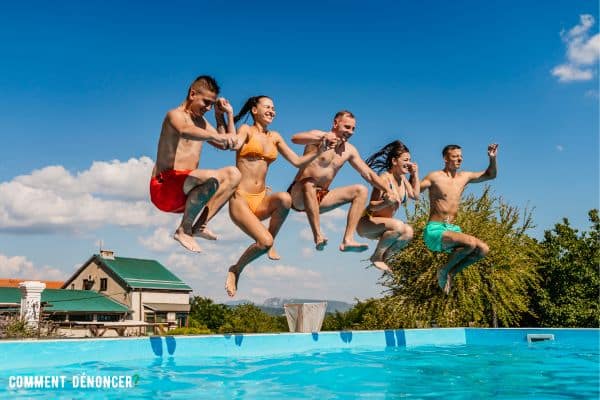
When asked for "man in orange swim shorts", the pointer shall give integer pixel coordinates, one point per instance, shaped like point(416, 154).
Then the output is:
point(177, 185)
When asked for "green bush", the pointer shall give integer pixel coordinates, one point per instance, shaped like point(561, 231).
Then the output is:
point(188, 331)
point(18, 328)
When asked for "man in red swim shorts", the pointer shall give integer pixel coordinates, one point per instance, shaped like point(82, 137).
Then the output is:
point(177, 185)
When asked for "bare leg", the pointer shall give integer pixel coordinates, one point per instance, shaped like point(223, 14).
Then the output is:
point(228, 179)
point(311, 207)
point(463, 245)
point(277, 207)
point(243, 217)
point(479, 253)
point(233, 275)
point(390, 233)
point(357, 196)
point(197, 198)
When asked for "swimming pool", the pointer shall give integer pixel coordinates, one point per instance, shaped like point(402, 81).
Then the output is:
point(452, 363)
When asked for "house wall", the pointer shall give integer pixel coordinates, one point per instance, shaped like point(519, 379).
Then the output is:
point(113, 290)
point(165, 297)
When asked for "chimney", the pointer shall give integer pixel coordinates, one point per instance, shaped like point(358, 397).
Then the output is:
point(108, 254)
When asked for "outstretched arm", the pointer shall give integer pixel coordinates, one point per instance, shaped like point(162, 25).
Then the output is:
point(369, 175)
point(294, 159)
point(313, 137)
point(490, 172)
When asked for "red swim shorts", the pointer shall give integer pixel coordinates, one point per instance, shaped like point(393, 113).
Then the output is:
point(166, 190)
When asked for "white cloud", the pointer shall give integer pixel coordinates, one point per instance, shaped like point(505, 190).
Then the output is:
point(281, 272)
point(21, 267)
point(307, 252)
point(559, 147)
point(569, 73)
point(583, 52)
point(52, 199)
point(160, 241)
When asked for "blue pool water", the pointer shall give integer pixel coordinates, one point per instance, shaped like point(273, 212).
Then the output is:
point(481, 367)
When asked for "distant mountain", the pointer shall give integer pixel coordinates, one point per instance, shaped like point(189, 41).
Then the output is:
point(274, 305)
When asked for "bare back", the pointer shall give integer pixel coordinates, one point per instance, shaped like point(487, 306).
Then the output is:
point(175, 151)
point(445, 192)
point(326, 166)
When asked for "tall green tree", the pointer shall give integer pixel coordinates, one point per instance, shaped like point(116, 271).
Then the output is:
point(205, 312)
point(570, 277)
point(492, 292)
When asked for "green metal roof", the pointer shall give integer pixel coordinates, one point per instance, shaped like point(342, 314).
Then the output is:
point(62, 300)
point(144, 274)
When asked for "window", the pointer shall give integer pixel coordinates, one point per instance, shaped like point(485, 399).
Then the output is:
point(88, 284)
point(72, 286)
point(108, 317)
point(103, 284)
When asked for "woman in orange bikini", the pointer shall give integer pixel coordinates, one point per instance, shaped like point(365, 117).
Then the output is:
point(377, 221)
point(252, 202)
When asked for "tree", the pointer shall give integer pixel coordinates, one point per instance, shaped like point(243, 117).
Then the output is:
point(570, 276)
point(248, 318)
point(205, 312)
point(492, 292)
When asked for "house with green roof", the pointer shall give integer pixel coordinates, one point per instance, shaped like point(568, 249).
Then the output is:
point(146, 287)
point(68, 304)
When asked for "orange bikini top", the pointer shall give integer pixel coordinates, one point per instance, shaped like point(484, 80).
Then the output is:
point(254, 149)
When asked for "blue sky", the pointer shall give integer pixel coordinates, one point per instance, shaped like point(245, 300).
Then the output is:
point(85, 86)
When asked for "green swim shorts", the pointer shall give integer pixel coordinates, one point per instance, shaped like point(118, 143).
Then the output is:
point(432, 235)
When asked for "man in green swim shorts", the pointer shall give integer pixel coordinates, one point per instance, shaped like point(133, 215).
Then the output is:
point(445, 190)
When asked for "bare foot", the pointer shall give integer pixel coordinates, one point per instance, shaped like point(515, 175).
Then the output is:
point(231, 282)
point(273, 255)
point(320, 244)
point(378, 263)
point(186, 240)
point(205, 233)
point(354, 247)
point(444, 280)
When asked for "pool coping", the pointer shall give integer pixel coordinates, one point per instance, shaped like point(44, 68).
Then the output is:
point(55, 352)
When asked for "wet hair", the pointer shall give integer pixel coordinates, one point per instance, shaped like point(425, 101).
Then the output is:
point(204, 82)
point(450, 147)
point(251, 102)
point(343, 113)
point(382, 160)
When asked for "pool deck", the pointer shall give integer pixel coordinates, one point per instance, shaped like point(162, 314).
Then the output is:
point(16, 354)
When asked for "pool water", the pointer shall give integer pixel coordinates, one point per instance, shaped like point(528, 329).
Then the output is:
point(543, 370)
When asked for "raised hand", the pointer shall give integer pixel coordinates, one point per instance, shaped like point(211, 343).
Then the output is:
point(222, 106)
point(413, 168)
point(331, 140)
point(492, 150)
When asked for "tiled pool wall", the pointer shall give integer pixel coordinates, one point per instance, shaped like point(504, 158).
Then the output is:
point(41, 353)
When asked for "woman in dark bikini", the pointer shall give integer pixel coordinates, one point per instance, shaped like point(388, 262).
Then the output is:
point(257, 148)
point(377, 221)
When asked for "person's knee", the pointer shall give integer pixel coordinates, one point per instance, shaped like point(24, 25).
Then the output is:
point(484, 249)
point(232, 176)
point(408, 232)
point(359, 191)
point(470, 244)
point(285, 200)
point(265, 242)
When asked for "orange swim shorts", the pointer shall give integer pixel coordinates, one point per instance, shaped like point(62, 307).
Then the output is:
point(166, 190)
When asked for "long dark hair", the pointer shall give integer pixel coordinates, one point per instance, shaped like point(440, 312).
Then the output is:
point(382, 160)
point(251, 102)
